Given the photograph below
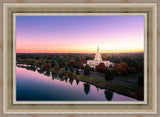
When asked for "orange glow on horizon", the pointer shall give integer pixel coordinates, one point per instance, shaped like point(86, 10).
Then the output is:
point(73, 48)
point(77, 51)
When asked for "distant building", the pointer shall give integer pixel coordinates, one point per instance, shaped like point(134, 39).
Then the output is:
point(97, 60)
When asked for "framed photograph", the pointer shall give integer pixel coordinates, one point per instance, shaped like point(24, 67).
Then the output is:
point(80, 58)
point(84, 68)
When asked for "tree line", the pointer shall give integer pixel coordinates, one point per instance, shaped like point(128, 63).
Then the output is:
point(124, 63)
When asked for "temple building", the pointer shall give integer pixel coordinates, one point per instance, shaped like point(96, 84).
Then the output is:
point(97, 60)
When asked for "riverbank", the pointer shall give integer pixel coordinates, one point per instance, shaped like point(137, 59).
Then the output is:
point(99, 83)
point(103, 84)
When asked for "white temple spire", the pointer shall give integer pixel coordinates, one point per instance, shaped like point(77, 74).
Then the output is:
point(97, 60)
point(97, 49)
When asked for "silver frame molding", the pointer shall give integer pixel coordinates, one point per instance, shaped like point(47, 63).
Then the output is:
point(116, 102)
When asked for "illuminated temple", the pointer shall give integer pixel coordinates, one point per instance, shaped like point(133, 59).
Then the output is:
point(97, 60)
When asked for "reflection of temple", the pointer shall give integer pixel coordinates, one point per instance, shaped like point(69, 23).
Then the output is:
point(97, 60)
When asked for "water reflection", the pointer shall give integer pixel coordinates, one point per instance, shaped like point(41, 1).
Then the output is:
point(29, 68)
point(28, 87)
point(77, 81)
point(47, 73)
point(66, 79)
point(108, 95)
point(61, 78)
point(86, 88)
point(53, 76)
point(71, 81)
point(40, 71)
point(97, 88)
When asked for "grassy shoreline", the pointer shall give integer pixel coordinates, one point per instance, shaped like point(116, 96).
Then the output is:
point(102, 84)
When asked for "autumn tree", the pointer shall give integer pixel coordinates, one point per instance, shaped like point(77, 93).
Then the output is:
point(121, 69)
point(101, 67)
point(39, 63)
point(71, 62)
point(47, 66)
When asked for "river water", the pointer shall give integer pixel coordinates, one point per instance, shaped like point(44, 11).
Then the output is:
point(32, 85)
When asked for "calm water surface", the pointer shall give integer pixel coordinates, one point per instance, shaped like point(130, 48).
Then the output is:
point(34, 86)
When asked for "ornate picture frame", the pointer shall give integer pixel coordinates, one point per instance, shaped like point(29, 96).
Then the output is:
point(10, 10)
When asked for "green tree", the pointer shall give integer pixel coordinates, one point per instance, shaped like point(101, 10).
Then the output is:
point(53, 64)
point(66, 68)
point(108, 75)
point(86, 70)
point(31, 62)
point(71, 69)
point(47, 61)
point(77, 72)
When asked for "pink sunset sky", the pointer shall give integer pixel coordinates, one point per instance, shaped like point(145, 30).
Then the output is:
point(79, 34)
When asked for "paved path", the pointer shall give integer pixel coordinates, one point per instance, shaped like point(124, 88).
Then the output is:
point(117, 79)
